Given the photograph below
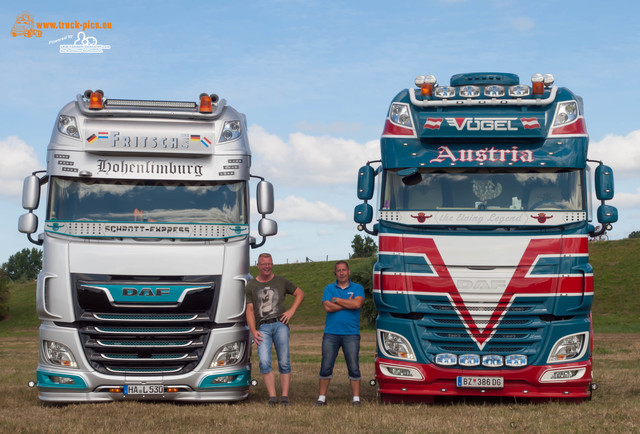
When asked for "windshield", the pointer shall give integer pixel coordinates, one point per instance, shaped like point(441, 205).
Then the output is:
point(73, 199)
point(484, 189)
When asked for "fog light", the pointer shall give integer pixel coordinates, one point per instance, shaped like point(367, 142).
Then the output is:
point(516, 360)
point(445, 92)
point(469, 360)
point(61, 380)
point(470, 91)
point(562, 375)
point(492, 361)
point(223, 379)
point(494, 91)
point(519, 91)
point(403, 372)
point(446, 359)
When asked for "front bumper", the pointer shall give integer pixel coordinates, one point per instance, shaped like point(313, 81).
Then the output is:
point(525, 382)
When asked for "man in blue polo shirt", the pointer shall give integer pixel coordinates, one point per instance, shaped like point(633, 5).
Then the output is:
point(342, 301)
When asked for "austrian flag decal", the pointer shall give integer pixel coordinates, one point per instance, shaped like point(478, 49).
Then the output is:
point(433, 123)
point(529, 123)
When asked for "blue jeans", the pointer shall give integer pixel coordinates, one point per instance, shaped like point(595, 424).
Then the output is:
point(275, 333)
point(350, 348)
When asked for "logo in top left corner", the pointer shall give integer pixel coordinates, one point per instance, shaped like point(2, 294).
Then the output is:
point(25, 26)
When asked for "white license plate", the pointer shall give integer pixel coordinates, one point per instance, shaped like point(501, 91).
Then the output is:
point(481, 382)
point(144, 389)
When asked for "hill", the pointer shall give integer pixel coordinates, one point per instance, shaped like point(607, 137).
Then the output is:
point(616, 306)
point(616, 269)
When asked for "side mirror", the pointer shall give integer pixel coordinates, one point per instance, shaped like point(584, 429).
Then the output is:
point(604, 182)
point(363, 214)
point(607, 214)
point(31, 192)
point(264, 197)
point(28, 223)
point(267, 227)
point(365, 182)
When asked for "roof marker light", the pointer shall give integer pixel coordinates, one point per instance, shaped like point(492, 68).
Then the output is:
point(205, 103)
point(537, 81)
point(427, 87)
point(548, 80)
point(95, 100)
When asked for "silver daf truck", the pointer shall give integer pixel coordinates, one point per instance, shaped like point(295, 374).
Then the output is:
point(146, 251)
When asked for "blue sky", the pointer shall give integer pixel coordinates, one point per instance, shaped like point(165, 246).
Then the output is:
point(315, 79)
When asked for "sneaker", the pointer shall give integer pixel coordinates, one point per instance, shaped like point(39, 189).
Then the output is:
point(320, 403)
point(284, 401)
point(272, 401)
point(356, 403)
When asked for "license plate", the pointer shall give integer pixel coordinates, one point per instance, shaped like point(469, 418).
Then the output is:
point(144, 389)
point(481, 382)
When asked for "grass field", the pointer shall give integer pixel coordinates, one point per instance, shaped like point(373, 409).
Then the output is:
point(615, 406)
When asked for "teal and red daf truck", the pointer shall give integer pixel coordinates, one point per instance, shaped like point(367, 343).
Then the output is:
point(145, 251)
point(484, 212)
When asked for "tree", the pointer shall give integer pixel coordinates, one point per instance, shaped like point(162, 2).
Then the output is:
point(24, 265)
point(363, 247)
point(634, 234)
point(363, 274)
point(4, 295)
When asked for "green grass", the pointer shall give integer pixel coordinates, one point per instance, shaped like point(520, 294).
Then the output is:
point(616, 269)
point(615, 406)
point(616, 307)
point(311, 277)
point(22, 318)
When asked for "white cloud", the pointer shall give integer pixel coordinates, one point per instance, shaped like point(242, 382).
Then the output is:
point(310, 160)
point(297, 209)
point(627, 200)
point(18, 160)
point(622, 153)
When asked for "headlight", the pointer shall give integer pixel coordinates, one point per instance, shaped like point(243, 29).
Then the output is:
point(394, 345)
point(58, 354)
point(231, 130)
point(67, 126)
point(566, 112)
point(569, 348)
point(230, 354)
point(399, 114)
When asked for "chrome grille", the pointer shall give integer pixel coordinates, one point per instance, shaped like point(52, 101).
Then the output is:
point(144, 339)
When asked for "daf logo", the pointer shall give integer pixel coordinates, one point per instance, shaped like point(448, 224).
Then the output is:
point(145, 292)
point(481, 284)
